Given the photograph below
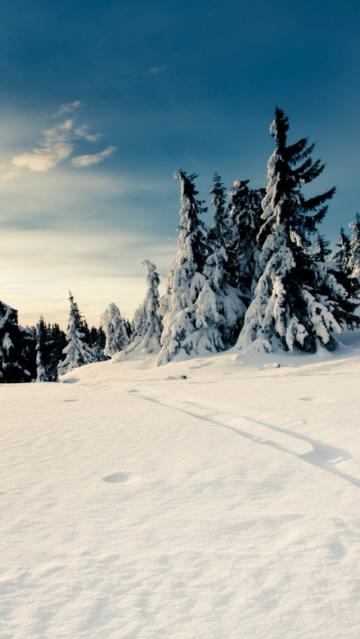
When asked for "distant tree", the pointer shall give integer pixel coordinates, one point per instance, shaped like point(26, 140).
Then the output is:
point(77, 352)
point(341, 255)
point(129, 327)
point(185, 279)
point(321, 249)
point(41, 338)
point(243, 253)
point(354, 257)
point(113, 326)
point(17, 348)
point(218, 307)
point(220, 233)
point(147, 322)
point(55, 344)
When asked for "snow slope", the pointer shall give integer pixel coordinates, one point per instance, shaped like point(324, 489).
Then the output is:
point(139, 505)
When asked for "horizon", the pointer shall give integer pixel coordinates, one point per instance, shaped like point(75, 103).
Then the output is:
point(91, 135)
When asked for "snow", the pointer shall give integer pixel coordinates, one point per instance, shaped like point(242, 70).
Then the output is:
point(137, 504)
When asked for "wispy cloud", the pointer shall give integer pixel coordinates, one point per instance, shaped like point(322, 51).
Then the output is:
point(83, 161)
point(57, 144)
point(156, 70)
point(54, 146)
point(83, 132)
point(65, 109)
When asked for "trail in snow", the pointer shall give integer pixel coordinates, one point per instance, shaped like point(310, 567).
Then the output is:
point(321, 454)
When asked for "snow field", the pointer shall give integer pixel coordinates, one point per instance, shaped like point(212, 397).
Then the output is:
point(136, 504)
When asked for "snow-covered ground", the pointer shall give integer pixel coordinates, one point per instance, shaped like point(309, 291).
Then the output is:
point(136, 504)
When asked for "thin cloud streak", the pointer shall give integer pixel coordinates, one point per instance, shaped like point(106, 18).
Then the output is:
point(83, 161)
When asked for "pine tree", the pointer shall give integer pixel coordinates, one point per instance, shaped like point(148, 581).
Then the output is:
point(55, 344)
point(98, 344)
point(41, 374)
point(147, 322)
point(341, 256)
point(219, 307)
point(185, 279)
point(297, 303)
point(354, 257)
point(17, 352)
point(321, 249)
point(245, 214)
point(115, 332)
point(77, 352)
point(220, 232)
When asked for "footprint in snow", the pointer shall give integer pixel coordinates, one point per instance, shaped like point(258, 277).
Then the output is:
point(121, 478)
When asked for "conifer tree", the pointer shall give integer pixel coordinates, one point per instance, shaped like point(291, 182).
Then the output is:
point(220, 233)
point(219, 307)
point(77, 352)
point(41, 375)
point(341, 256)
point(55, 344)
point(354, 257)
point(17, 352)
point(321, 249)
point(185, 279)
point(245, 214)
point(297, 303)
point(114, 329)
point(147, 321)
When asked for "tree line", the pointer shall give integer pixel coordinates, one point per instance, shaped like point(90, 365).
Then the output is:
point(261, 278)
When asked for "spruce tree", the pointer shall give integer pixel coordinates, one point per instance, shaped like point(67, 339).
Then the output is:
point(354, 257)
point(41, 373)
point(321, 249)
point(17, 352)
point(245, 214)
point(185, 279)
point(220, 233)
point(147, 321)
point(55, 344)
point(297, 303)
point(77, 352)
point(219, 307)
point(341, 255)
point(116, 337)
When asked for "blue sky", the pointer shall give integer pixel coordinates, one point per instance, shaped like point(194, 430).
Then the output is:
point(102, 100)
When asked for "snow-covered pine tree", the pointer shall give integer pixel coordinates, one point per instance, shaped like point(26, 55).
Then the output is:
point(245, 215)
point(147, 321)
point(354, 257)
point(341, 266)
point(77, 352)
point(16, 348)
point(115, 332)
point(41, 373)
point(321, 249)
point(296, 304)
point(185, 280)
point(55, 344)
point(341, 255)
point(219, 307)
point(221, 230)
